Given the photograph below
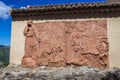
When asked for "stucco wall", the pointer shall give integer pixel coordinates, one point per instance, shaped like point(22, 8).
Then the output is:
point(114, 41)
point(18, 40)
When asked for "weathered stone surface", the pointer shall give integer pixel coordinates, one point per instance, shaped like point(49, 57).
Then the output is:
point(65, 43)
point(16, 72)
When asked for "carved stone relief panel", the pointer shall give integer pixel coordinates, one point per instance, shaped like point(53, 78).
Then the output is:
point(87, 43)
point(65, 43)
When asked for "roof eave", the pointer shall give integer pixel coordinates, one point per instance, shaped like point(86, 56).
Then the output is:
point(66, 9)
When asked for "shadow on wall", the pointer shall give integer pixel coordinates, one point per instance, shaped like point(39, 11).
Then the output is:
point(69, 16)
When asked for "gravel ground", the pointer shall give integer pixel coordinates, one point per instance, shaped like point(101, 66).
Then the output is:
point(16, 72)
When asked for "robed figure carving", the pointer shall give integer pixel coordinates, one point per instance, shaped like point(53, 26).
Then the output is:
point(31, 45)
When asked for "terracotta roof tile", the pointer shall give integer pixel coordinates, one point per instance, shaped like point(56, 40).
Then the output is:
point(111, 5)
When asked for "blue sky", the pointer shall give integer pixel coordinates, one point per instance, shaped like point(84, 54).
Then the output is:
point(6, 5)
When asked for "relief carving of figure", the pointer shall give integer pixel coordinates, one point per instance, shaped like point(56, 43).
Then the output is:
point(88, 46)
point(31, 43)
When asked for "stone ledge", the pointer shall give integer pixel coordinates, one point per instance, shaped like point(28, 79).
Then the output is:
point(16, 72)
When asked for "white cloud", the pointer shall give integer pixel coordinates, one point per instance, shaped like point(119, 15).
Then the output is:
point(4, 10)
point(23, 8)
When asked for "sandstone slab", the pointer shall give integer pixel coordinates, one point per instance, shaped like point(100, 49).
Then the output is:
point(65, 43)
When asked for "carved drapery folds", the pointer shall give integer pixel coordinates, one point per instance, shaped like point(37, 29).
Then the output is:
point(65, 43)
